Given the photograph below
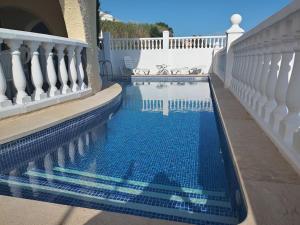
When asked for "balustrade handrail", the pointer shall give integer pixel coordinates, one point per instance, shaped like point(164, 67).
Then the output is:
point(194, 37)
point(135, 39)
point(30, 36)
point(276, 18)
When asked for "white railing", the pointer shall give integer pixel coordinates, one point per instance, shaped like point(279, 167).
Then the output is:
point(136, 43)
point(197, 42)
point(43, 69)
point(266, 78)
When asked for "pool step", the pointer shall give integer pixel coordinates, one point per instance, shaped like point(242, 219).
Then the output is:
point(86, 195)
point(184, 190)
point(200, 200)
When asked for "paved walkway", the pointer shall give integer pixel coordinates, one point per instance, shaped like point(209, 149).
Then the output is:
point(271, 185)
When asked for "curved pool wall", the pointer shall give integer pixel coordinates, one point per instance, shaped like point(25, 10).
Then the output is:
point(166, 197)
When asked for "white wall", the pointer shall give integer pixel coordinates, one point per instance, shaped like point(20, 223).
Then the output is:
point(175, 52)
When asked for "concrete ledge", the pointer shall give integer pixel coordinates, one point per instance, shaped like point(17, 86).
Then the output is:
point(17, 211)
point(270, 184)
point(23, 125)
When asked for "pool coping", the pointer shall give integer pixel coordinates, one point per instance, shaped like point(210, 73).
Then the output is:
point(269, 183)
point(16, 127)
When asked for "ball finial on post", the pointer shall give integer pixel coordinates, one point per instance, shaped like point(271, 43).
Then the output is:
point(236, 20)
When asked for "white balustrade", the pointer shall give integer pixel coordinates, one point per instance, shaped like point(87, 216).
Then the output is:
point(44, 74)
point(265, 78)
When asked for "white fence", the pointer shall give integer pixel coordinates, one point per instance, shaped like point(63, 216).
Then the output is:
point(182, 53)
point(263, 72)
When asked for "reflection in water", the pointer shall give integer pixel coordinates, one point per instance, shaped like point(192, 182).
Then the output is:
point(33, 179)
point(48, 165)
point(80, 146)
point(61, 157)
point(15, 190)
point(168, 96)
point(72, 151)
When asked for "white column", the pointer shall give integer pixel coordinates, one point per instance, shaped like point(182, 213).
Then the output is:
point(4, 101)
point(72, 69)
point(291, 122)
point(51, 74)
point(281, 87)
point(79, 67)
point(271, 85)
point(36, 72)
point(232, 34)
point(18, 73)
point(62, 70)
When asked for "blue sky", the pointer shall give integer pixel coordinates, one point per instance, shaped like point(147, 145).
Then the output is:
point(188, 17)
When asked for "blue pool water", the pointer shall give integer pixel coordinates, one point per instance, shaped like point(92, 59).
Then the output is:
point(159, 152)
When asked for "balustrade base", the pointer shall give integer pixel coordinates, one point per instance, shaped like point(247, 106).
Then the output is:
point(54, 93)
point(276, 117)
point(41, 96)
point(23, 100)
point(5, 103)
point(15, 109)
point(290, 151)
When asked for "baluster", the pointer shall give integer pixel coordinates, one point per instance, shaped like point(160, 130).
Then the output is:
point(79, 68)
point(246, 75)
point(4, 101)
point(36, 72)
point(291, 122)
point(18, 72)
point(258, 72)
point(254, 66)
point(281, 87)
point(264, 78)
point(62, 70)
point(72, 68)
point(243, 74)
point(271, 84)
point(50, 70)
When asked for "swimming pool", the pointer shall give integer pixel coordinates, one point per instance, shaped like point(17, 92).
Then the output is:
point(159, 152)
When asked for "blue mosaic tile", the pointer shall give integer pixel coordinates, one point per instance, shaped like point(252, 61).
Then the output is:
point(124, 159)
